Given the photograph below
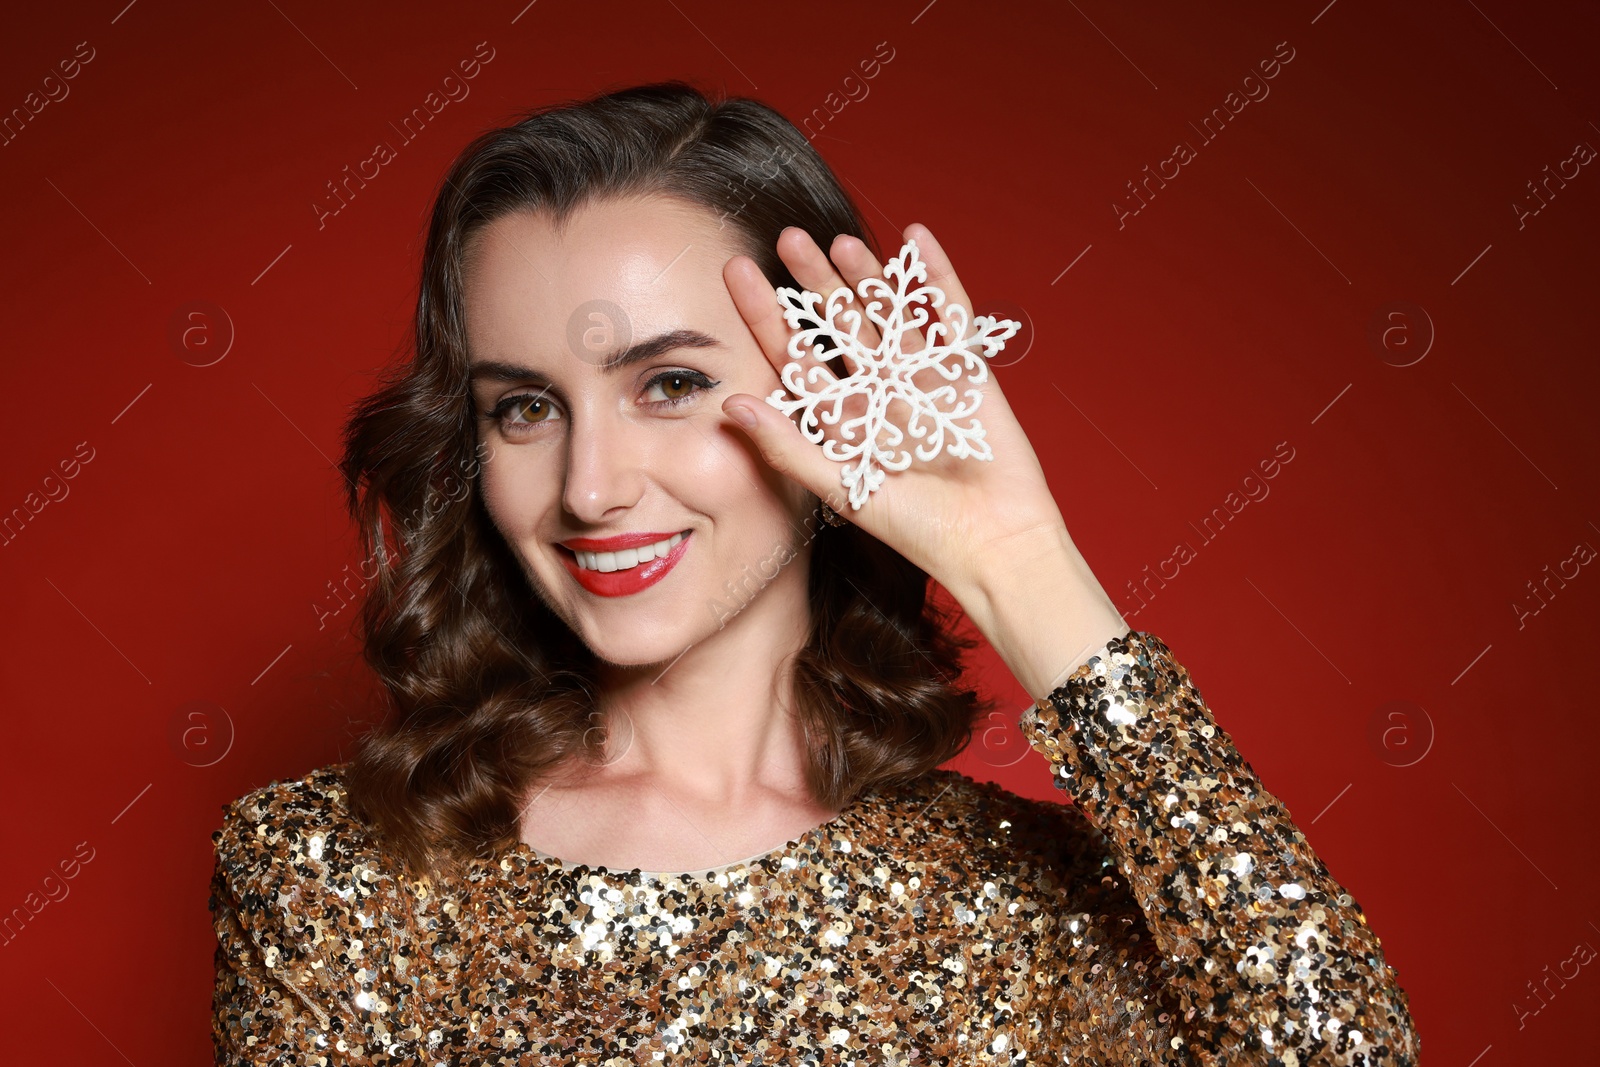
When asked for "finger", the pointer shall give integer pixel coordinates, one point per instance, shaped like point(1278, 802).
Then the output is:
point(855, 262)
point(816, 272)
point(758, 305)
point(940, 273)
point(942, 276)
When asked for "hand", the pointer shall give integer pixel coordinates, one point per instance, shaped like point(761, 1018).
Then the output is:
point(942, 514)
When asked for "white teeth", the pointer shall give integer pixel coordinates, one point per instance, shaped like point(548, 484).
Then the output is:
point(606, 562)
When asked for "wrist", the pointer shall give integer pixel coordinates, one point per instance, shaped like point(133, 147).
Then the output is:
point(1041, 608)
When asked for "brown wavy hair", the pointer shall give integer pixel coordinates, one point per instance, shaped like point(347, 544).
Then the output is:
point(491, 690)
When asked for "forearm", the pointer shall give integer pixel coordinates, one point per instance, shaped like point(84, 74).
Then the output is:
point(1041, 608)
point(1271, 958)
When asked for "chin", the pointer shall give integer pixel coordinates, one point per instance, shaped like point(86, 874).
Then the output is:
point(659, 648)
point(632, 636)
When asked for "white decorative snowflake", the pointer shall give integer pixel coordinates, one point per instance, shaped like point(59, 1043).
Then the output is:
point(885, 373)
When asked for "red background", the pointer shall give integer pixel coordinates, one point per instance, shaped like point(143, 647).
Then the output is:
point(1231, 314)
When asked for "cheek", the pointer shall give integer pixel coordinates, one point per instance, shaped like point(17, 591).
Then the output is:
point(512, 492)
point(711, 448)
point(717, 460)
point(722, 471)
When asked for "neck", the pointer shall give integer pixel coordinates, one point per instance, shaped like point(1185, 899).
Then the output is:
point(716, 721)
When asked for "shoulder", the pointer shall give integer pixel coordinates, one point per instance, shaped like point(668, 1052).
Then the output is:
point(983, 828)
point(280, 819)
point(293, 840)
point(305, 906)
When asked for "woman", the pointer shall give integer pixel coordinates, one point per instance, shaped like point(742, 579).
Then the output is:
point(663, 781)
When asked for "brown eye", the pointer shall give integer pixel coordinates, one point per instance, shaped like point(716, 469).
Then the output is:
point(515, 414)
point(531, 409)
point(678, 386)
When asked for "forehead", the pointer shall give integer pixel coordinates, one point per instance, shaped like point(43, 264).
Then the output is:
point(656, 259)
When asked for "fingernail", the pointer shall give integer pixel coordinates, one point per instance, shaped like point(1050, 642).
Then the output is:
point(742, 414)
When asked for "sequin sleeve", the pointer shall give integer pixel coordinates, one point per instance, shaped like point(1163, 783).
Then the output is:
point(278, 997)
point(1259, 956)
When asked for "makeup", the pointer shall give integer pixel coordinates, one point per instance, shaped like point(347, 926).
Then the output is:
point(626, 576)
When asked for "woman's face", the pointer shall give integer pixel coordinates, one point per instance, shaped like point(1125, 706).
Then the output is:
point(584, 449)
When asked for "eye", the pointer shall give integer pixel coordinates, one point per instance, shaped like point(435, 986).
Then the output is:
point(678, 386)
point(517, 415)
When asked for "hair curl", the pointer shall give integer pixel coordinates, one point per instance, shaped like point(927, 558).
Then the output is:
point(490, 689)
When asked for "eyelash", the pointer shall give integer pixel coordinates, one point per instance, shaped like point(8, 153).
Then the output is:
point(499, 412)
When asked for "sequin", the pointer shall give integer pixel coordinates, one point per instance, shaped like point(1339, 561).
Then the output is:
point(1172, 914)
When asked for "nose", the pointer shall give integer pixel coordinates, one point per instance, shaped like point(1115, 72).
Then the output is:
point(604, 472)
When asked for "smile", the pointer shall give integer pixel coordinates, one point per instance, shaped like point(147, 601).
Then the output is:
point(606, 562)
point(624, 571)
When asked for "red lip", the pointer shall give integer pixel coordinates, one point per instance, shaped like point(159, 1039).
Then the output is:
point(634, 579)
point(617, 543)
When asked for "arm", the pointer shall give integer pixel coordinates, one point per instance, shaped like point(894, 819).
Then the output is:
point(1263, 952)
point(293, 959)
point(256, 1016)
point(1254, 940)
point(1269, 953)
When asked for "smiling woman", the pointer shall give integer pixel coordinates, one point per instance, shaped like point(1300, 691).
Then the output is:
point(595, 450)
point(609, 820)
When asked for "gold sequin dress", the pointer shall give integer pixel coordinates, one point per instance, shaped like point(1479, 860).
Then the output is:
point(1172, 915)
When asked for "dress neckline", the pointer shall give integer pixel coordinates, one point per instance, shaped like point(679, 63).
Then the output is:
point(807, 845)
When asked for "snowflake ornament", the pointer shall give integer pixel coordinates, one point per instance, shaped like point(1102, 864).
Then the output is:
point(885, 373)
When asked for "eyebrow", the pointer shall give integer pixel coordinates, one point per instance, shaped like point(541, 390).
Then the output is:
point(500, 371)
